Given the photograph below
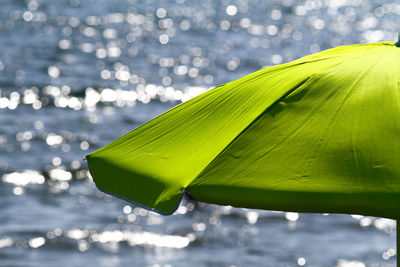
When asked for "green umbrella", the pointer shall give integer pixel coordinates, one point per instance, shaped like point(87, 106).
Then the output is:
point(318, 134)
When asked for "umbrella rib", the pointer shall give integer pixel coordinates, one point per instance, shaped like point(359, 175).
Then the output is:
point(262, 114)
point(253, 122)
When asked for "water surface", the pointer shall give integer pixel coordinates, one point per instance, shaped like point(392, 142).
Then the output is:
point(75, 75)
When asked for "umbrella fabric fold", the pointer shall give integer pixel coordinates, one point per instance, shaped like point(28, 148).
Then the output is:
point(319, 134)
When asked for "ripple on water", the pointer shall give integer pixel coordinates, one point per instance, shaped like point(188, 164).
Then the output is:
point(74, 75)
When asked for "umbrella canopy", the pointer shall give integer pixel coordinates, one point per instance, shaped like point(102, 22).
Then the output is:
point(318, 134)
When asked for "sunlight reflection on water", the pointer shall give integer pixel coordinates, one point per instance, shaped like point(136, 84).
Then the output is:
point(75, 75)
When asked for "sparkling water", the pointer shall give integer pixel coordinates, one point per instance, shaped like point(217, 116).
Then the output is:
point(77, 74)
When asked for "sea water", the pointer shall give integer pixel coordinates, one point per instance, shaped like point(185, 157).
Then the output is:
point(77, 74)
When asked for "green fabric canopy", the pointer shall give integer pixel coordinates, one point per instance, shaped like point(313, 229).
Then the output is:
point(318, 134)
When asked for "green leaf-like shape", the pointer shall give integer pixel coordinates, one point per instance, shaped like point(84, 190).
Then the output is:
point(319, 134)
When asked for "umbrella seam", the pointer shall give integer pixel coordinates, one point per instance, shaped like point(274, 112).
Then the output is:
point(250, 124)
point(261, 115)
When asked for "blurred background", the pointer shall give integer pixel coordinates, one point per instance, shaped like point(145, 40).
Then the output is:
point(75, 75)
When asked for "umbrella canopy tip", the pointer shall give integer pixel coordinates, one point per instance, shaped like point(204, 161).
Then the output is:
point(398, 41)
